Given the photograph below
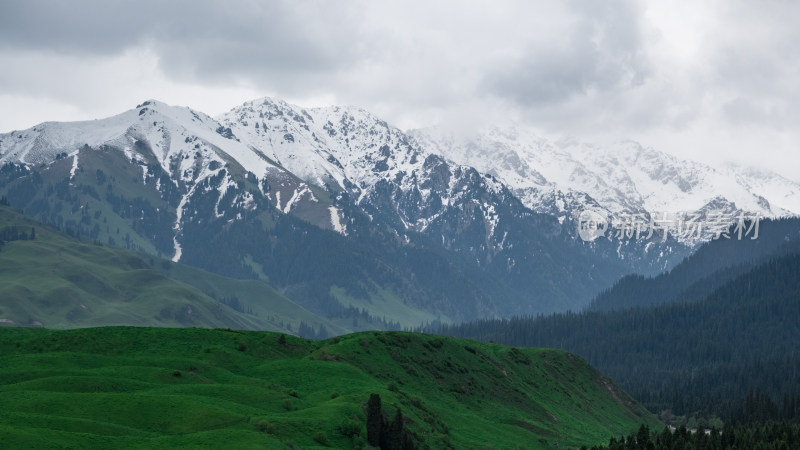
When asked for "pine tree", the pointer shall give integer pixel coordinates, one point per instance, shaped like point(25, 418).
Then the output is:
point(643, 437)
point(374, 420)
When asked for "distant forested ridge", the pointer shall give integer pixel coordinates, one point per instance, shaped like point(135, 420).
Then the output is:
point(711, 266)
point(733, 354)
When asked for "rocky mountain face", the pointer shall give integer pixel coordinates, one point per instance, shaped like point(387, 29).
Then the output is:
point(352, 217)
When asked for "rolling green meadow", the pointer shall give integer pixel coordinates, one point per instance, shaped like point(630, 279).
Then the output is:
point(136, 387)
point(189, 375)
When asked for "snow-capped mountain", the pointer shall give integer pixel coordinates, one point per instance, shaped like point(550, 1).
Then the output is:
point(369, 167)
point(334, 206)
point(565, 177)
point(348, 151)
point(187, 147)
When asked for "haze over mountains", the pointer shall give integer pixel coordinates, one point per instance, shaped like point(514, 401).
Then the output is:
point(345, 214)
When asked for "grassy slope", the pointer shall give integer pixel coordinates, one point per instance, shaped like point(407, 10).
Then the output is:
point(384, 303)
point(60, 282)
point(266, 302)
point(179, 388)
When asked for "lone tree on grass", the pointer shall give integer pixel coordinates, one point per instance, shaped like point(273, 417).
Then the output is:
point(380, 433)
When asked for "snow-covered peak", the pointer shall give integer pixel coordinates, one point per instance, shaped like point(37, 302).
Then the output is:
point(779, 191)
point(339, 147)
point(173, 134)
point(623, 177)
point(349, 149)
point(41, 143)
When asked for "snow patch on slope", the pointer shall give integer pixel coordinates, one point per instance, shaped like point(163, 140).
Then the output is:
point(336, 221)
point(74, 165)
point(177, 226)
point(298, 193)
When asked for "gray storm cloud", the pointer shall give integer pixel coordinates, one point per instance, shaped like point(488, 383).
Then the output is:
point(715, 78)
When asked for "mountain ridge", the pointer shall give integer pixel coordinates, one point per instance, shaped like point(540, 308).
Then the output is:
point(229, 194)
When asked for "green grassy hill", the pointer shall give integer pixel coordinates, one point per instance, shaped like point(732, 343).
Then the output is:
point(198, 388)
point(56, 281)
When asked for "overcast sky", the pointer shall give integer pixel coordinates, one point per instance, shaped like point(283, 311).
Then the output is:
point(710, 80)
